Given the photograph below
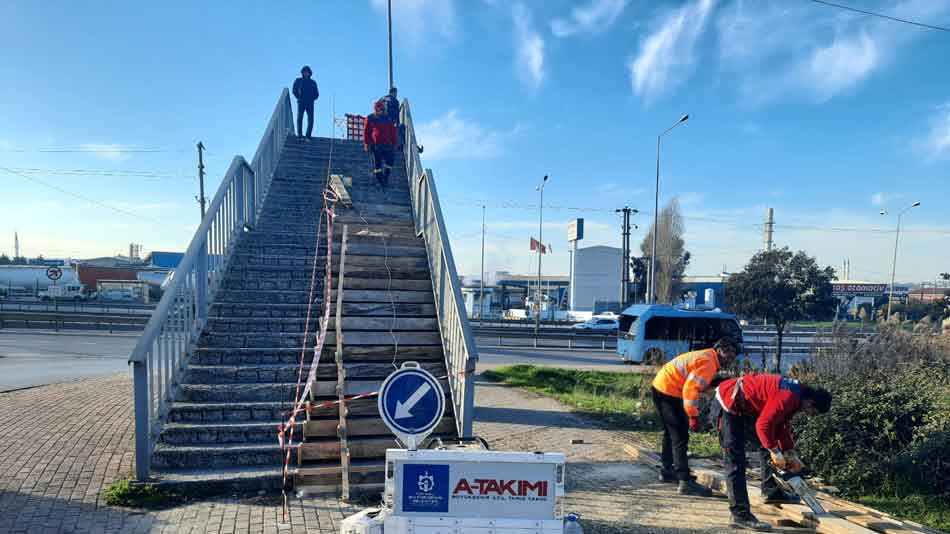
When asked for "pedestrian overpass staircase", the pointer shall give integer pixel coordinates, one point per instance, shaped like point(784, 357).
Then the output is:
point(224, 357)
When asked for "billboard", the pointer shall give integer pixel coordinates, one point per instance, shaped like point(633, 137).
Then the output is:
point(575, 230)
point(858, 289)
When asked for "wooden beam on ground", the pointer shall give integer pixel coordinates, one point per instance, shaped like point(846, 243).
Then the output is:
point(338, 184)
point(801, 514)
point(341, 376)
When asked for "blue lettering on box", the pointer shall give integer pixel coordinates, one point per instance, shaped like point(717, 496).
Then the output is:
point(425, 488)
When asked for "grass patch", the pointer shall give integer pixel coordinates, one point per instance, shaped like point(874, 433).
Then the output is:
point(621, 400)
point(929, 510)
point(125, 492)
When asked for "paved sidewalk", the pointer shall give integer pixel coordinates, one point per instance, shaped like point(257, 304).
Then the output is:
point(61, 445)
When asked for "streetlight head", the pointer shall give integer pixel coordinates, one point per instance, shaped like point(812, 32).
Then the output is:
point(915, 204)
point(684, 118)
point(883, 212)
point(546, 179)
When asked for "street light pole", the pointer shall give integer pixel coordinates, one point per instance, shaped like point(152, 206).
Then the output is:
point(651, 287)
point(897, 237)
point(540, 190)
point(481, 281)
point(389, 12)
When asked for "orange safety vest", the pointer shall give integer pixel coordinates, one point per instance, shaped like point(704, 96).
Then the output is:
point(687, 376)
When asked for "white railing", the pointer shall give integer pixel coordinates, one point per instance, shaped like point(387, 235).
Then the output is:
point(161, 354)
point(457, 341)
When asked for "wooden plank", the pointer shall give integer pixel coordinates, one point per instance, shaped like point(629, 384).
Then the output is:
point(363, 426)
point(359, 448)
point(338, 186)
point(715, 480)
point(341, 378)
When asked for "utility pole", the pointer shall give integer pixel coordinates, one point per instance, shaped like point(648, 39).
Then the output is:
point(540, 189)
point(201, 178)
point(16, 245)
point(389, 12)
point(769, 228)
point(625, 255)
point(481, 281)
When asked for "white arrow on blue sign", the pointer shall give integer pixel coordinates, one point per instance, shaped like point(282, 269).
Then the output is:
point(411, 403)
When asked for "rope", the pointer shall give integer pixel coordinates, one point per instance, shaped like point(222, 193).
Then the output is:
point(287, 430)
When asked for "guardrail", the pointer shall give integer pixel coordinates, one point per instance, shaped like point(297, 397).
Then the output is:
point(159, 356)
point(69, 306)
point(457, 342)
point(72, 320)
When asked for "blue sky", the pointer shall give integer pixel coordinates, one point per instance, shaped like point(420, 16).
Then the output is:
point(827, 116)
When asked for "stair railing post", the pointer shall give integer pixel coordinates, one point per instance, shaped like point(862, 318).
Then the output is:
point(143, 453)
point(240, 201)
point(201, 281)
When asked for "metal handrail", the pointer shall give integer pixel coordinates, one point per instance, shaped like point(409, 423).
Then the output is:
point(457, 341)
point(160, 356)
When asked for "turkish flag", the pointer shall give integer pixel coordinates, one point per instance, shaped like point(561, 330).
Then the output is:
point(535, 245)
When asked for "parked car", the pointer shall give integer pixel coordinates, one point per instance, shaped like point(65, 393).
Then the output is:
point(598, 324)
point(122, 295)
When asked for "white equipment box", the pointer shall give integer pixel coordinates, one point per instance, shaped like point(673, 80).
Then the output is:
point(473, 492)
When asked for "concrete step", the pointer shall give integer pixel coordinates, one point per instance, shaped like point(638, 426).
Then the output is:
point(354, 262)
point(381, 296)
point(297, 311)
point(289, 372)
point(225, 432)
point(416, 249)
point(207, 482)
point(366, 475)
point(349, 324)
point(308, 225)
point(228, 455)
point(325, 428)
point(357, 234)
point(216, 412)
point(210, 338)
point(267, 391)
point(368, 353)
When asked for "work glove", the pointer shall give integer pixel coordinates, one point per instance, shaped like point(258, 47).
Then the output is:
point(779, 460)
point(795, 464)
point(694, 424)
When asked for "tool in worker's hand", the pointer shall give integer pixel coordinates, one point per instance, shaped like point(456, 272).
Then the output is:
point(795, 483)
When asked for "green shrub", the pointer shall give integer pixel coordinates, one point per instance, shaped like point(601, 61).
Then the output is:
point(125, 492)
point(888, 432)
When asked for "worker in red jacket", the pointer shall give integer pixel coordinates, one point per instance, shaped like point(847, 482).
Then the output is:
point(379, 136)
point(771, 400)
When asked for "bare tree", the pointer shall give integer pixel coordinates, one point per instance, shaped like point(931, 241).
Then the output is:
point(671, 254)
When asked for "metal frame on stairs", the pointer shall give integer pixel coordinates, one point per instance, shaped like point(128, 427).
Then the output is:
point(161, 354)
point(457, 340)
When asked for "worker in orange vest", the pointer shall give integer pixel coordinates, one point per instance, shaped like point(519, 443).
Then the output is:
point(676, 391)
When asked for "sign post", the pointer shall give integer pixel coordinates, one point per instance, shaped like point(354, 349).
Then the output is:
point(411, 402)
point(54, 274)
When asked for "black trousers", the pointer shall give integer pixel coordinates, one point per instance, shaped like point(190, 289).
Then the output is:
point(304, 107)
point(675, 433)
point(733, 431)
point(382, 161)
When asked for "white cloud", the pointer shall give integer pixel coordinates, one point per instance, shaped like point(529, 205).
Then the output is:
point(111, 152)
point(667, 55)
point(453, 136)
point(878, 199)
point(593, 17)
point(935, 144)
point(5, 145)
point(415, 20)
point(778, 48)
point(839, 66)
point(529, 61)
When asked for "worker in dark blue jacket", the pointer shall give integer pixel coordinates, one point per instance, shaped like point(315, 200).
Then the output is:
point(391, 102)
point(306, 92)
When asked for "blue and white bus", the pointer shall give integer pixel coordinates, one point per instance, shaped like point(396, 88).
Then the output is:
point(655, 334)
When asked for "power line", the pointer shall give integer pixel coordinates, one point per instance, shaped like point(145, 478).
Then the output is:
point(96, 172)
point(77, 195)
point(881, 15)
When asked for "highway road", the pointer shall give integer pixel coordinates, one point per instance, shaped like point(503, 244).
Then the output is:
point(32, 358)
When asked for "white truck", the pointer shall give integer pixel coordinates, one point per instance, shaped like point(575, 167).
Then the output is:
point(71, 291)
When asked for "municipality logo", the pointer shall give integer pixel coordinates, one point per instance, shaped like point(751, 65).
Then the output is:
point(426, 482)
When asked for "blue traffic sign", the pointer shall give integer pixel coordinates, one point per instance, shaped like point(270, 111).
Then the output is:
point(411, 403)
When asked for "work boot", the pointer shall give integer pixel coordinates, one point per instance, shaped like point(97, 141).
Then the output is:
point(750, 522)
point(668, 475)
point(689, 487)
point(779, 496)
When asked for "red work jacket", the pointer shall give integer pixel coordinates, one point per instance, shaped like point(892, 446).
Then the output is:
point(772, 399)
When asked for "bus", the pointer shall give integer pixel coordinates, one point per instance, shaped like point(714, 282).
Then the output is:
point(655, 334)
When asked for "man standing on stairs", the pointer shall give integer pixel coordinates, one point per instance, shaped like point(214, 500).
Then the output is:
point(392, 111)
point(676, 391)
point(379, 135)
point(306, 92)
point(771, 400)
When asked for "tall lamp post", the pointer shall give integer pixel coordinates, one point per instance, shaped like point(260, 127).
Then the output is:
point(651, 288)
point(540, 190)
point(897, 238)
